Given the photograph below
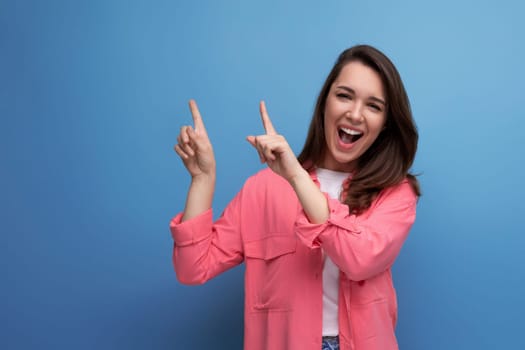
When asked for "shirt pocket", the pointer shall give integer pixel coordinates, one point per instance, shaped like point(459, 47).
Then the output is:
point(270, 272)
point(373, 307)
point(270, 247)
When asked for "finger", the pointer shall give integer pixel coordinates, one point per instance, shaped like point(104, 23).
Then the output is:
point(259, 150)
point(194, 140)
point(197, 119)
point(183, 135)
point(264, 147)
point(192, 136)
point(180, 152)
point(267, 123)
point(188, 149)
point(184, 141)
point(273, 146)
point(267, 151)
point(253, 141)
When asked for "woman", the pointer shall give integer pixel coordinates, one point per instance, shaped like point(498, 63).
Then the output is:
point(318, 233)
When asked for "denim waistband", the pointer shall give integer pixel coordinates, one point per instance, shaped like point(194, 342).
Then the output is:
point(330, 343)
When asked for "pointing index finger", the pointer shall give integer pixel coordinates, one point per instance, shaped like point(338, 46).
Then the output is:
point(197, 119)
point(267, 123)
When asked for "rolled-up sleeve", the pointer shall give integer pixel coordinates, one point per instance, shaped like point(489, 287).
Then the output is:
point(191, 231)
point(203, 248)
point(367, 244)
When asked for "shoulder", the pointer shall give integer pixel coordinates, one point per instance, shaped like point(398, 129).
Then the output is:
point(267, 177)
point(401, 192)
point(267, 185)
point(404, 187)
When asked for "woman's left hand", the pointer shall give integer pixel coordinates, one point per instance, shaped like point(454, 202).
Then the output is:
point(274, 150)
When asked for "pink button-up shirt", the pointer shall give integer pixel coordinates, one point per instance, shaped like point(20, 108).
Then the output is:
point(265, 226)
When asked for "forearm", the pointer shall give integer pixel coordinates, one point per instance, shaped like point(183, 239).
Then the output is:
point(312, 199)
point(200, 196)
point(364, 245)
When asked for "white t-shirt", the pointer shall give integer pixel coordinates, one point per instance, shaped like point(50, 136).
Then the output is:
point(331, 183)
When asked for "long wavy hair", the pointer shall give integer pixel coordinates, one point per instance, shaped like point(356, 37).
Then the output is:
point(387, 161)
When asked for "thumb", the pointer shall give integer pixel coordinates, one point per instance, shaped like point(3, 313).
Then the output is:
point(251, 140)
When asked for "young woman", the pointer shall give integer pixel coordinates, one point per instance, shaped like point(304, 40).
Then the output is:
point(318, 233)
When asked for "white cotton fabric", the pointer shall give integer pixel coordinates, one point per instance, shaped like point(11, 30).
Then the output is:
point(331, 183)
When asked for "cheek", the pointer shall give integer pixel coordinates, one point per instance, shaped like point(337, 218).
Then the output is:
point(328, 128)
point(377, 125)
point(330, 116)
point(333, 107)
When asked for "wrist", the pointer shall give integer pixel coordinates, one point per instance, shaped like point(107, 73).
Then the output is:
point(298, 178)
point(204, 178)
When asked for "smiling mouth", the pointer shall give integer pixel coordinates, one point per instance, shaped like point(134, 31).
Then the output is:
point(348, 136)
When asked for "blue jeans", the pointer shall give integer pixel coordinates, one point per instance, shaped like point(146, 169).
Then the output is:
point(330, 343)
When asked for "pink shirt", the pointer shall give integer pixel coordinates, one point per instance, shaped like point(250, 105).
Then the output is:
point(265, 226)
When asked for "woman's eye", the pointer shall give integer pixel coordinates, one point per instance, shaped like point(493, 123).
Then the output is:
point(345, 96)
point(375, 107)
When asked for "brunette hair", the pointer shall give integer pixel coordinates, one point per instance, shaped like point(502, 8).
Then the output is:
point(388, 160)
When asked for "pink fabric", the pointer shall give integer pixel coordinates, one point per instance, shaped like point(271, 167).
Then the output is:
point(265, 227)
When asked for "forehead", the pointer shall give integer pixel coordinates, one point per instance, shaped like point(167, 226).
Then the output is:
point(360, 78)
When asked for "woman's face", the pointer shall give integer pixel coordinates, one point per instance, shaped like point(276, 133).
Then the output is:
point(354, 115)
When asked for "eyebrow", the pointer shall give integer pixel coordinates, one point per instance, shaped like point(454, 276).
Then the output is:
point(377, 99)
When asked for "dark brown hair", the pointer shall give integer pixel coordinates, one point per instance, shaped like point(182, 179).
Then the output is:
point(388, 160)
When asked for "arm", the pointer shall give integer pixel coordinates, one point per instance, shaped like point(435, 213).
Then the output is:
point(274, 150)
point(313, 201)
point(195, 150)
point(361, 246)
point(200, 196)
point(202, 250)
point(365, 245)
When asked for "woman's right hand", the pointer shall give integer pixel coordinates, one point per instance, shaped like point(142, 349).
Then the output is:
point(194, 147)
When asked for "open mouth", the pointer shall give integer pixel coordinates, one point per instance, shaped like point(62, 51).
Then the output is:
point(348, 136)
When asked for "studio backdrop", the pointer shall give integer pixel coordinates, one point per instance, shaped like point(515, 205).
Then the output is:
point(92, 97)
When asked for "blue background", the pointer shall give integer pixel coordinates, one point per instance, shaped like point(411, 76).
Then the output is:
point(93, 94)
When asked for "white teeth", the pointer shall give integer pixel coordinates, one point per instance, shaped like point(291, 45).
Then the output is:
point(351, 132)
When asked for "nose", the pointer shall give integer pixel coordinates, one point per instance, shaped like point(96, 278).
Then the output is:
point(354, 113)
